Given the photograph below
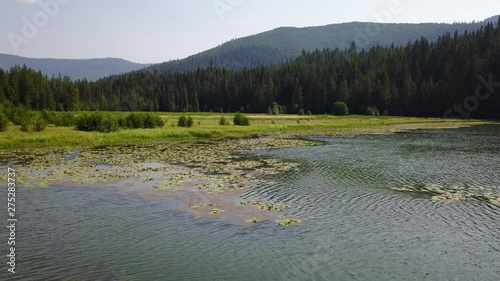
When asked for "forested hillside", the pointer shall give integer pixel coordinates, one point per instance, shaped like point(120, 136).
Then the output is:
point(278, 45)
point(90, 69)
point(419, 79)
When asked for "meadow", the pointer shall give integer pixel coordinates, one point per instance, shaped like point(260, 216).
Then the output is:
point(206, 125)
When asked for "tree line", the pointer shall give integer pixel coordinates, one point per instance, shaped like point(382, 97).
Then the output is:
point(420, 79)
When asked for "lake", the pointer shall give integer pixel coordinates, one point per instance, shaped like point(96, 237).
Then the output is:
point(407, 206)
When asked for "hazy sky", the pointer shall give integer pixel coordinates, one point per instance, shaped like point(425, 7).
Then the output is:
point(149, 31)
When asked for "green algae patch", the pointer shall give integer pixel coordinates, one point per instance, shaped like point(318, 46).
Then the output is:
point(288, 222)
point(454, 193)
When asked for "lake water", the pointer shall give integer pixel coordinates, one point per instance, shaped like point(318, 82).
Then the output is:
point(356, 226)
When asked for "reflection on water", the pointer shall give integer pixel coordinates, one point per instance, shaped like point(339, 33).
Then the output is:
point(356, 226)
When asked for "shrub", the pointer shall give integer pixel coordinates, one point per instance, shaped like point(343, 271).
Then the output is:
point(372, 111)
point(189, 122)
point(134, 121)
point(241, 119)
point(34, 123)
point(65, 119)
point(340, 108)
point(4, 122)
point(182, 121)
point(223, 121)
point(18, 115)
point(276, 109)
point(97, 122)
point(301, 112)
point(153, 121)
point(50, 116)
point(309, 112)
point(141, 121)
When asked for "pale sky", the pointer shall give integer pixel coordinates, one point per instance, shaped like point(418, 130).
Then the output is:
point(153, 31)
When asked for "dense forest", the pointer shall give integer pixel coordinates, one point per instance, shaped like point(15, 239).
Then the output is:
point(278, 45)
point(457, 72)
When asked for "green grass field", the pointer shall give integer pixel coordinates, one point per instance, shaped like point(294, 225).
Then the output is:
point(206, 125)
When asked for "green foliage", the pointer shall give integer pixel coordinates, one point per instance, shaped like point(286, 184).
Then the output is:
point(276, 109)
point(372, 111)
point(30, 121)
point(241, 119)
point(301, 112)
point(340, 108)
point(182, 121)
point(66, 119)
point(269, 111)
point(309, 112)
point(189, 122)
point(18, 115)
point(97, 122)
point(223, 121)
point(135, 120)
point(141, 121)
point(153, 121)
point(50, 116)
point(4, 121)
point(186, 122)
point(34, 122)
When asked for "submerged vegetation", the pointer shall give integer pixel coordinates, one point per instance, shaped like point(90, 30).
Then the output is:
point(208, 179)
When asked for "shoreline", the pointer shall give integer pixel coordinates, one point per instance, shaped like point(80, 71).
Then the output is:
point(66, 138)
point(207, 177)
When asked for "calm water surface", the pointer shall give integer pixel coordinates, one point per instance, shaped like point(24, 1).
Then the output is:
point(356, 227)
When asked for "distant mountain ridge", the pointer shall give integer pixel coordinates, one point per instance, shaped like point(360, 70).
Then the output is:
point(91, 69)
point(284, 43)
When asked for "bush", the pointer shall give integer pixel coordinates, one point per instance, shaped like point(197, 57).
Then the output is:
point(50, 116)
point(18, 115)
point(34, 123)
point(223, 121)
point(182, 121)
point(189, 122)
point(372, 111)
point(276, 109)
point(97, 122)
point(241, 119)
point(153, 121)
point(141, 121)
point(309, 112)
point(340, 108)
point(301, 112)
point(65, 119)
point(134, 121)
point(4, 122)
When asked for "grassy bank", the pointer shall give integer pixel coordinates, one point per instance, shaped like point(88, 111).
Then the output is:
point(206, 125)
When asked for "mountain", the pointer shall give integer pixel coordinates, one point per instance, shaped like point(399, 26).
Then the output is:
point(92, 69)
point(452, 77)
point(287, 42)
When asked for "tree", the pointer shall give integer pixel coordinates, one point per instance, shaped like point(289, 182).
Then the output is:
point(241, 119)
point(340, 108)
